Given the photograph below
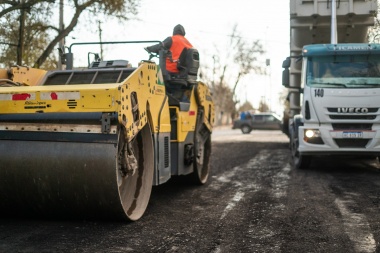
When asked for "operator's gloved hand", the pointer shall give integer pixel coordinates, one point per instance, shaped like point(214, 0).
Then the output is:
point(154, 48)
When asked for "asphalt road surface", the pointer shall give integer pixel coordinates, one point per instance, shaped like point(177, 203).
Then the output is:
point(254, 202)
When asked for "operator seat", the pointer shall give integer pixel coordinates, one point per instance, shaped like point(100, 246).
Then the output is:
point(188, 65)
point(178, 83)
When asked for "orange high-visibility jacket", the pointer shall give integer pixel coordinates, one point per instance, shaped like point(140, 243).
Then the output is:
point(178, 44)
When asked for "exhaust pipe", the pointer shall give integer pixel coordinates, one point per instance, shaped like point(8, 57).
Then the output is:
point(334, 29)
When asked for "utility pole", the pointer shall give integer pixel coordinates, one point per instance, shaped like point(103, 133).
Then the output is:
point(100, 39)
point(61, 43)
point(20, 46)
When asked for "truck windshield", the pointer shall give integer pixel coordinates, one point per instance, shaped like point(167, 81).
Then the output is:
point(344, 71)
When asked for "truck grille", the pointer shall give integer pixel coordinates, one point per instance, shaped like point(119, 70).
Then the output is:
point(350, 126)
point(353, 117)
point(352, 143)
point(339, 114)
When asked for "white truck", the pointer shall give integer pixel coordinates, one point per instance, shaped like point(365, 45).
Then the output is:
point(334, 89)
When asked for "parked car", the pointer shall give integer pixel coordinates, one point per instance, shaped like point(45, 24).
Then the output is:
point(267, 121)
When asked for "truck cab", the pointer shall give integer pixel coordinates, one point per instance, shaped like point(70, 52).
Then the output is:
point(341, 100)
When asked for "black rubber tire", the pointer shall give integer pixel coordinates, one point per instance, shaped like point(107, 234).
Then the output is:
point(299, 161)
point(245, 129)
point(202, 152)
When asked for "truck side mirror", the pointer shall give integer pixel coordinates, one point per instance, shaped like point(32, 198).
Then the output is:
point(286, 63)
point(69, 60)
point(285, 78)
point(285, 72)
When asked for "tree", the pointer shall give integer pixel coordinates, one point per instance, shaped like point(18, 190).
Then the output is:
point(223, 101)
point(38, 23)
point(11, 6)
point(241, 59)
point(246, 106)
point(246, 56)
point(373, 32)
point(263, 106)
point(34, 37)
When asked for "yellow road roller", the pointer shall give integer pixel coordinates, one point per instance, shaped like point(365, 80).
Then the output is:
point(91, 142)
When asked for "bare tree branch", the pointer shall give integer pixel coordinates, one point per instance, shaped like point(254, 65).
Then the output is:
point(63, 34)
point(241, 58)
point(20, 5)
point(38, 16)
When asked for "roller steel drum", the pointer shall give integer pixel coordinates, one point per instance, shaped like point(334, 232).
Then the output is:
point(63, 178)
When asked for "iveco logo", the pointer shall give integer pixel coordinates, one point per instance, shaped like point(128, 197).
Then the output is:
point(352, 110)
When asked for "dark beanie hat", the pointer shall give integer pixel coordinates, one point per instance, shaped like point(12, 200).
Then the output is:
point(178, 29)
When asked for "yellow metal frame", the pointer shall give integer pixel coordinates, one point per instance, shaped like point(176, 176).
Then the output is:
point(205, 101)
point(113, 97)
point(151, 100)
point(138, 100)
point(4, 74)
point(27, 76)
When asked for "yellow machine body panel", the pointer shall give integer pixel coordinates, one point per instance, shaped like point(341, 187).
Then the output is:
point(27, 76)
point(186, 119)
point(140, 94)
point(3, 74)
point(204, 98)
point(131, 99)
point(200, 98)
point(62, 98)
point(105, 135)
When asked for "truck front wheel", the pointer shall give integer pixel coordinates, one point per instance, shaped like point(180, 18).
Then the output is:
point(299, 161)
point(246, 129)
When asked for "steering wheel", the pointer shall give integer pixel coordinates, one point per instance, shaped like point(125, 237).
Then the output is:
point(151, 54)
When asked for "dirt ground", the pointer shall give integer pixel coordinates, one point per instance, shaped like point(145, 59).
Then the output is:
point(254, 202)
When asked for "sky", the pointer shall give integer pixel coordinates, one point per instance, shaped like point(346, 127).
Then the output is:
point(208, 24)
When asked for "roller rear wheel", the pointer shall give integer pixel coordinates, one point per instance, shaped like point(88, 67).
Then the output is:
point(135, 175)
point(202, 151)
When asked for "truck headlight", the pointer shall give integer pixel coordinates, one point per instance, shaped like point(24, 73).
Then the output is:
point(312, 133)
point(313, 136)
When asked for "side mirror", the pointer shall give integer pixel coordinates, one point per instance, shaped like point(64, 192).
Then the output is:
point(286, 63)
point(285, 78)
point(69, 60)
point(285, 72)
